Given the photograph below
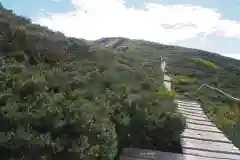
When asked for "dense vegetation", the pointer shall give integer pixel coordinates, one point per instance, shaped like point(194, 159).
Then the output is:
point(190, 68)
point(66, 98)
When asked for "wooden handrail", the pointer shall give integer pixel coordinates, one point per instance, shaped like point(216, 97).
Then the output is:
point(219, 90)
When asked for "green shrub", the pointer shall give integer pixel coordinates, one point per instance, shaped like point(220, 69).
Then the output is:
point(62, 111)
point(224, 113)
point(184, 79)
point(41, 116)
point(61, 98)
point(205, 62)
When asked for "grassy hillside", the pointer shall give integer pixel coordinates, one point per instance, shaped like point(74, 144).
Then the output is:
point(66, 98)
point(190, 68)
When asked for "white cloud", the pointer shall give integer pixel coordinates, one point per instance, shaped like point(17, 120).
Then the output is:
point(93, 19)
point(229, 28)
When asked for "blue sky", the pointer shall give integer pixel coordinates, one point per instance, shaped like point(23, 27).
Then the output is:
point(212, 25)
point(31, 8)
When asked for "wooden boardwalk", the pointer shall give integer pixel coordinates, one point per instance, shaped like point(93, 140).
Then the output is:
point(138, 154)
point(201, 139)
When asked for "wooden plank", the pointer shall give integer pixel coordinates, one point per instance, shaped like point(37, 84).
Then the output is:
point(215, 155)
point(190, 108)
point(167, 78)
point(205, 135)
point(203, 128)
point(211, 146)
point(205, 139)
point(190, 154)
point(204, 123)
point(168, 85)
point(193, 114)
point(191, 111)
point(189, 105)
point(187, 102)
point(189, 116)
point(193, 157)
point(187, 157)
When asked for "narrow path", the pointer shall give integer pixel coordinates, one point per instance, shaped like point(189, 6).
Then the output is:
point(201, 137)
point(201, 140)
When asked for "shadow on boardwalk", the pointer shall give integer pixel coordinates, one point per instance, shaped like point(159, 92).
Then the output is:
point(136, 154)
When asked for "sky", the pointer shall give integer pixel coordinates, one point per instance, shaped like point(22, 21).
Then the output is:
point(212, 25)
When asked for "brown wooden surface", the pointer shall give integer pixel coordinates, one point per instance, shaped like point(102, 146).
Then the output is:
point(201, 140)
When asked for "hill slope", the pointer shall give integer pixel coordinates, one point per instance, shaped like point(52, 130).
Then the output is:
point(190, 68)
point(66, 98)
point(112, 87)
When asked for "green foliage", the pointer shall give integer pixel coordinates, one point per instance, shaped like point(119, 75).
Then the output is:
point(224, 112)
point(163, 92)
point(65, 98)
point(191, 68)
point(205, 62)
point(62, 111)
point(184, 79)
point(43, 116)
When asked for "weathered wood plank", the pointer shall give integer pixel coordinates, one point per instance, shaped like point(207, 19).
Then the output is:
point(204, 135)
point(189, 105)
point(190, 108)
point(192, 114)
point(203, 128)
point(206, 139)
point(192, 157)
point(187, 157)
point(211, 146)
point(189, 116)
point(191, 111)
point(207, 123)
point(133, 154)
point(187, 102)
point(215, 155)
